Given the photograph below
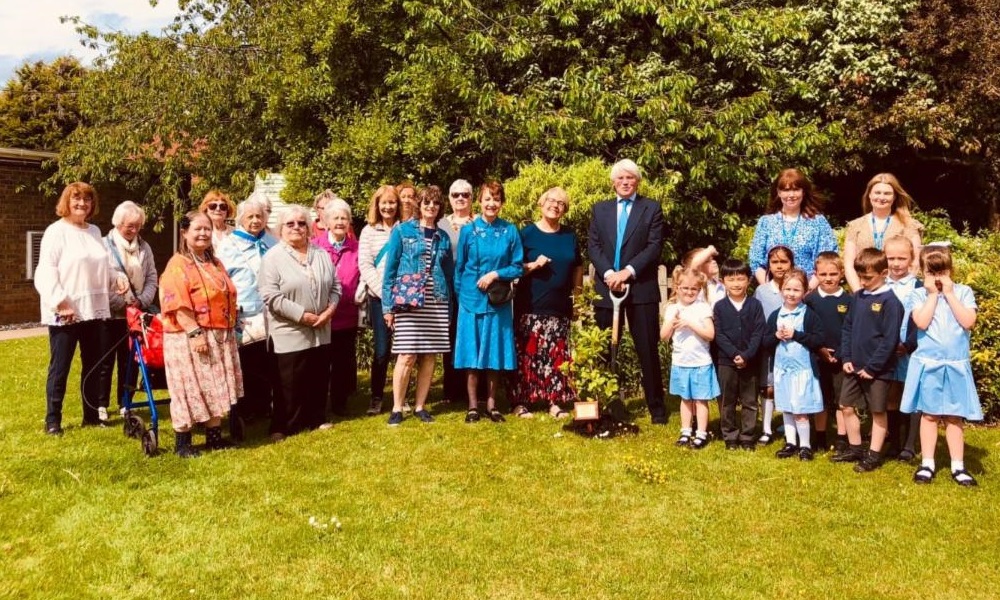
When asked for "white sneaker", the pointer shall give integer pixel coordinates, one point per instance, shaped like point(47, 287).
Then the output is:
point(102, 413)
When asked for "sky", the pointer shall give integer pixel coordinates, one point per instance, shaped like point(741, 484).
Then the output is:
point(30, 29)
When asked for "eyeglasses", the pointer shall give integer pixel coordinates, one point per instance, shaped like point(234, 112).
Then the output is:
point(465, 195)
point(296, 223)
point(554, 202)
point(218, 206)
point(431, 202)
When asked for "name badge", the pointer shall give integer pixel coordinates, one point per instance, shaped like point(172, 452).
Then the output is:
point(876, 307)
point(842, 309)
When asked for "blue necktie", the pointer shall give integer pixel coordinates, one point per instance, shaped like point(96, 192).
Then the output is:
point(622, 222)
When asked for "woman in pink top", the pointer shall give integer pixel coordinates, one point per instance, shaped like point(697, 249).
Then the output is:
point(343, 251)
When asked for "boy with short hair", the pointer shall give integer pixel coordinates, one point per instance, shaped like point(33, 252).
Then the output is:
point(739, 330)
point(868, 353)
point(831, 303)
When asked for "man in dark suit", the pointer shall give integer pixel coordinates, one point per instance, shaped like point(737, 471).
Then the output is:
point(625, 241)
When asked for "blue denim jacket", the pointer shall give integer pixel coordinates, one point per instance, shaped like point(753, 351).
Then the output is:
point(404, 256)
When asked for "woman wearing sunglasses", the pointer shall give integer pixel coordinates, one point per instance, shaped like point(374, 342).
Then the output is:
point(300, 289)
point(220, 210)
point(416, 291)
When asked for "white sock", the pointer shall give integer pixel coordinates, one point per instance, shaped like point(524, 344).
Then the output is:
point(701, 435)
point(927, 462)
point(802, 427)
point(789, 422)
point(957, 465)
point(768, 416)
point(686, 432)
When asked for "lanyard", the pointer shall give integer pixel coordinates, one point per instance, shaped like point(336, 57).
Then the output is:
point(879, 236)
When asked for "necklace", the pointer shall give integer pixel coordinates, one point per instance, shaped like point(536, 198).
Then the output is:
point(786, 235)
point(221, 284)
point(456, 226)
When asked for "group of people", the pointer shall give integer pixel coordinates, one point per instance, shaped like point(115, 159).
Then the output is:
point(896, 348)
point(267, 322)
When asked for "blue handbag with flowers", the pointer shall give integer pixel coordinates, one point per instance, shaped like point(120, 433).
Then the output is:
point(408, 290)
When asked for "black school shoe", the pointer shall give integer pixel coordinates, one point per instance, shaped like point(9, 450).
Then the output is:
point(848, 455)
point(730, 445)
point(805, 453)
point(870, 462)
point(787, 451)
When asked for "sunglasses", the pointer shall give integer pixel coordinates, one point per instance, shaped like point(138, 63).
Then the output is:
point(431, 202)
point(296, 223)
point(218, 206)
point(461, 195)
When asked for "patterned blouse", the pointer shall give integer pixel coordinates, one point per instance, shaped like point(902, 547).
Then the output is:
point(204, 288)
point(806, 237)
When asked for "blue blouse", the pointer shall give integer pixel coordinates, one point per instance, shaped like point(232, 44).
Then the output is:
point(806, 237)
point(242, 257)
point(485, 247)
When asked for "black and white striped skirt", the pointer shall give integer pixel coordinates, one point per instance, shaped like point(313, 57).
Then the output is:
point(422, 331)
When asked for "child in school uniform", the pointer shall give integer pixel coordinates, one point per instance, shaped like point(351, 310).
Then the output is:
point(780, 260)
point(902, 435)
point(868, 353)
point(687, 322)
point(831, 304)
point(739, 331)
point(703, 260)
point(939, 380)
point(795, 332)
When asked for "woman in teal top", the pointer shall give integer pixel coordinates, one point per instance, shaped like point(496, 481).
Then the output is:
point(489, 249)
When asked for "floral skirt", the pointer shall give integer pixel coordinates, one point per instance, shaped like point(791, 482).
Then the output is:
point(542, 347)
point(202, 386)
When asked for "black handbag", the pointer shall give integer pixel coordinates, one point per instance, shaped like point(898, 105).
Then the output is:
point(500, 292)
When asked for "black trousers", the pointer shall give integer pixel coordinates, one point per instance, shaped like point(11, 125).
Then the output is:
point(257, 381)
point(300, 395)
point(116, 335)
point(343, 368)
point(739, 389)
point(63, 340)
point(644, 325)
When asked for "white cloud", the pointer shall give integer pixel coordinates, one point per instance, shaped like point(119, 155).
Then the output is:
point(30, 29)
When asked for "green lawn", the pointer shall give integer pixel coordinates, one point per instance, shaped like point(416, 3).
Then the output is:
point(449, 510)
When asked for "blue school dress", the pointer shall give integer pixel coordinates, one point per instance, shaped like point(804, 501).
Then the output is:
point(939, 380)
point(903, 288)
point(796, 388)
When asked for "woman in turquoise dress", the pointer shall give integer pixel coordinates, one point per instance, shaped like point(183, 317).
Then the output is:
point(489, 250)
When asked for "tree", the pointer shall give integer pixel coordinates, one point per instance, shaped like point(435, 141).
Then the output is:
point(39, 105)
point(711, 96)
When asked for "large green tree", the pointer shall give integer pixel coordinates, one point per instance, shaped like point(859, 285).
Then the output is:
point(39, 105)
point(712, 96)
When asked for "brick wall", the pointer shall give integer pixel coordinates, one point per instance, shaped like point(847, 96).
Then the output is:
point(24, 208)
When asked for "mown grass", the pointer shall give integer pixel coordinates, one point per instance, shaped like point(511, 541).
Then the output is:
point(449, 510)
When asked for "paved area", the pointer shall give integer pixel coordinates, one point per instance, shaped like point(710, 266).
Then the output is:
point(16, 334)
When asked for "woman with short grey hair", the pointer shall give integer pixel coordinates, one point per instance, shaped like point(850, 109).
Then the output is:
point(131, 260)
point(301, 291)
point(242, 252)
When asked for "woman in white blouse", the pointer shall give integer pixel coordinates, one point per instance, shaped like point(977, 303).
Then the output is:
point(74, 281)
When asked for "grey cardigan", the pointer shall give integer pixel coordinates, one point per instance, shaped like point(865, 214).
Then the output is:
point(147, 295)
point(287, 293)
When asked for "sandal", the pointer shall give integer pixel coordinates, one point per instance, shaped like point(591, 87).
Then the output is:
point(964, 478)
point(472, 416)
point(684, 440)
point(699, 443)
point(924, 475)
point(765, 439)
point(522, 411)
point(495, 415)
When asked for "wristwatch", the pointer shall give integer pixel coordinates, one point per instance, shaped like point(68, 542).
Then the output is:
point(195, 332)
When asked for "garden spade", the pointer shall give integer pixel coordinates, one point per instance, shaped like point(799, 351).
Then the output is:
point(617, 406)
